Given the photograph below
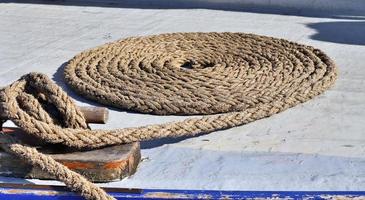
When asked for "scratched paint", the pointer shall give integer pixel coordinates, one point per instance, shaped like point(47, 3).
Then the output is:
point(167, 195)
point(21, 194)
point(35, 192)
point(78, 165)
point(116, 164)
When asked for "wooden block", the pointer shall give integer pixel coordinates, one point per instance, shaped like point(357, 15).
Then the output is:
point(99, 165)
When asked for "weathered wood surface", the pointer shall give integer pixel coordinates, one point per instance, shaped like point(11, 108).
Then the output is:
point(99, 165)
point(94, 115)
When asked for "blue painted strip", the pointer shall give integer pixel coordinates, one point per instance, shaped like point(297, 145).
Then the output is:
point(26, 194)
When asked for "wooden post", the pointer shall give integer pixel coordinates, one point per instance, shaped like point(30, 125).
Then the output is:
point(94, 115)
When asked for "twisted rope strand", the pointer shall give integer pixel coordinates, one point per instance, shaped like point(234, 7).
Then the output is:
point(239, 78)
point(72, 180)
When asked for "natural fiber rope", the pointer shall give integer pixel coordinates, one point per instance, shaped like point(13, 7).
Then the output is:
point(229, 72)
point(244, 77)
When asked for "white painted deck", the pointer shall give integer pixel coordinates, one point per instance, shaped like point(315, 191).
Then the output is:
point(319, 145)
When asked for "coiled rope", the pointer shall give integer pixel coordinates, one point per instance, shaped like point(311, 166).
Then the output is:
point(238, 77)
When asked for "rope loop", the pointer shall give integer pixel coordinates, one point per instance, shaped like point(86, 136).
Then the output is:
point(40, 107)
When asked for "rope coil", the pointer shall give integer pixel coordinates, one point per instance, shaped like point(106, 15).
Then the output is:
point(200, 73)
point(238, 77)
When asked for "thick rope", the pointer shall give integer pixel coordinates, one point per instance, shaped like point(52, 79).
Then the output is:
point(72, 180)
point(200, 73)
point(238, 77)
